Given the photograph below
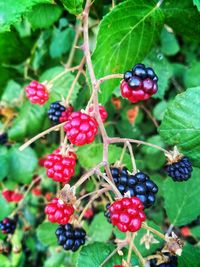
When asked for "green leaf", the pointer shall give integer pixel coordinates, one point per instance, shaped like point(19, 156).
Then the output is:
point(94, 254)
point(197, 3)
point(100, 230)
point(61, 42)
point(11, 93)
point(46, 234)
point(159, 110)
point(169, 43)
point(55, 259)
point(43, 16)
point(191, 75)
point(94, 154)
point(181, 124)
point(62, 85)
point(183, 17)
point(5, 208)
point(195, 231)
point(11, 12)
point(3, 162)
point(190, 256)
point(162, 68)
point(117, 50)
point(4, 261)
point(21, 164)
point(73, 6)
point(181, 199)
point(29, 122)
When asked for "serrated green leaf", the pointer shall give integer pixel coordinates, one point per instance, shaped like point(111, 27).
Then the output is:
point(100, 230)
point(46, 233)
point(28, 122)
point(62, 85)
point(11, 12)
point(181, 199)
point(43, 16)
point(191, 75)
point(197, 4)
point(73, 6)
point(118, 50)
point(190, 256)
point(183, 17)
point(3, 162)
point(181, 124)
point(21, 164)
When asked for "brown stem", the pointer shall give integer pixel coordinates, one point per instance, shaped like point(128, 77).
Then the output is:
point(154, 231)
point(108, 77)
point(150, 116)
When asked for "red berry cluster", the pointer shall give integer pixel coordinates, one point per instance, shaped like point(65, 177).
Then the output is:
point(37, 93)
point(66, 114)
point(81, 128)
point(102, 111)
point(12, 196)
point(127, 214)
point(139, 84)
point(60, 168)
point(59, 212)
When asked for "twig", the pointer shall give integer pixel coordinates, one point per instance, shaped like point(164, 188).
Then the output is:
point(137, 252)
point(108, 77)
point(110, 255)
point(28, 143)
point(132, 157)
point(154, 231)
point(130, 249)
point(150, 116)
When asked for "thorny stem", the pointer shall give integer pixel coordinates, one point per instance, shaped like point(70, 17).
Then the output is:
point(138, 254)
point(132, 157)
point(111, 254)
point(150, 116)
point(123, 153)
point(108, 77)
point(154, 231)
point(130, 249)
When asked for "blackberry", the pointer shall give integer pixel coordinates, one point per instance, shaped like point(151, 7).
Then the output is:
point(181, 170)
point(107, 213)
point(3, 138)
point(8, 226)
point(55, 111)
point(69, 237)
point(172, 262)
point(139, 185)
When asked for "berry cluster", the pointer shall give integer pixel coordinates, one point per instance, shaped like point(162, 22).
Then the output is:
point(37, 93)
point(139, 84)
point(3, 138)
point(172, 262)
point(102, 111)
point(58, 113)
point(138, 185)
point(60, 168)
point(8, 226)
point(11, 196)
point(127, 214)
point(69, 237)
point(58, 211)
point(81, 128)
point(180, 170)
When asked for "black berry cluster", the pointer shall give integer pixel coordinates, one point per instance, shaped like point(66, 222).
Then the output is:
point(139, 84)
point(107, 213)
point(3, 138)
point(173, 262)
point(8, 226)
point(55, 111)
point(69, 237)
point(139, 185)
point(180, 170)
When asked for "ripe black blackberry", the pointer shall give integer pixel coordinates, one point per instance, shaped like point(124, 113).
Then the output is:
point(55, 111)
point(8, 226)
point(139, 185)
point(3, 138)
point(172, 261)
point(71, 238)
point(107, 213)
point(181, 170)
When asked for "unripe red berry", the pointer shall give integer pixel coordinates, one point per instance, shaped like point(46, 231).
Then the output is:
point(102, 111)
point(66, 114)
point(81, 128)
point(59, 212)
point(60, 168)
point(36, 191)
point(88, 214)
point(12, 196)
point(37, 93)
point(127, 214)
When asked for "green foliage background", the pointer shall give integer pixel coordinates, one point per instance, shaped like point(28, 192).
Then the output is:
point(36, 37)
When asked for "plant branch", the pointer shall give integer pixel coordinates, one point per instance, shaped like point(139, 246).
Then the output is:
point(109, 77)
point(154, 231)
point(137, 252)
